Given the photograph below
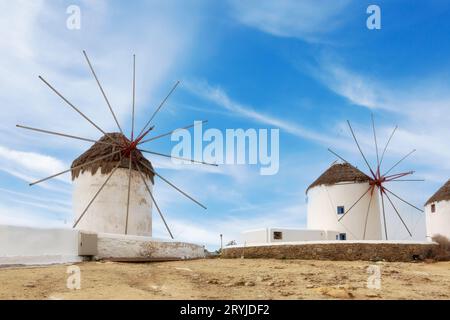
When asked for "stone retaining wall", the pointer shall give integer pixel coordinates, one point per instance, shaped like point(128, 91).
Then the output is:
point(335, 251)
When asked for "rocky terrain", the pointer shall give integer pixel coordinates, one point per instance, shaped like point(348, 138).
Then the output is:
point(232, 279)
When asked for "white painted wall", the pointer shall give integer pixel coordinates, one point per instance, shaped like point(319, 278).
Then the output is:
point(23, 245)
point(107, 214)
point(322, 210)
point(121, 246)
point(266, 235)
point(439, 221)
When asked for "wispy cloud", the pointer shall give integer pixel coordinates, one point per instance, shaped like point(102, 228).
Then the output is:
point(219, 97)
point(309, 20)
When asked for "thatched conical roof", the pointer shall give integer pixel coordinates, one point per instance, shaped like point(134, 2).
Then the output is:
point(106, 165)
point(442, 194)
point(340, 172)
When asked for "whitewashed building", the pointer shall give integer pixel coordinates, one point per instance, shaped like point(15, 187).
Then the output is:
point(330, 197)
point(334, 195)
point(108, 212)
point(437, 212)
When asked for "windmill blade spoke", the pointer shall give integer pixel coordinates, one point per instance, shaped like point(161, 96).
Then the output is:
point(160, 106)
point(398, 214)
point(376, 145)
point(134, 95)
point(329, 149)
point(398, 176)
point(172, 185)
point(404, 180)
point(353, 205)
point(60, 134)
point(403, 200)
point(128, 195)
point(359, 148)
point(384, 214)
point(154, 201)
point(179, 158)
point(77, 110)
point(96, 194)
point(398, 162)
point(170, 132)
point(76, 167)
point(103, 92)
point(367, 214)
point(387, 144)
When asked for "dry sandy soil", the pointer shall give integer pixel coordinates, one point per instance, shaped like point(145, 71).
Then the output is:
point(229, 279)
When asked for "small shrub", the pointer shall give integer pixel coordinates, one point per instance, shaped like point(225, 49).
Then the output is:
point(442, 251)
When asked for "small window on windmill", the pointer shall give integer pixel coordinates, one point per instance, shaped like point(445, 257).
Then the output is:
point(340, 210)
point(433, 208)
point(278, 235)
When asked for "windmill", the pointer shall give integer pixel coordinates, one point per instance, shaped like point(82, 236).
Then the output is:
point(121, 149)
point(379, 181)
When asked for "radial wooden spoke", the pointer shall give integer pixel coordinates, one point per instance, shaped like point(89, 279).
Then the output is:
point(154, 201)
point(103, 92)
point(376, 146)
point(353, 205)
point(367, 214)
point(160, 106)
point(398, 162)
point(128, 195)
point(76, 167)
point(77, 110)
point(397, 176)
point(62, 134)
point(403, 200)
point(134, 95)
point(179, 158)
point(384, 214)
point(96, 194)
point(170, 132)
point(404, 180)
point(360, 150)
point(338, 155)
point(396, 211)
point(387, 144)
point(172, 185)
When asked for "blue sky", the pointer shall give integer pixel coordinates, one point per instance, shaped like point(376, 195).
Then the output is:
point(304, 67)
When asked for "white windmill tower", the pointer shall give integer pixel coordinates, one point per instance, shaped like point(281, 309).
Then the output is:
point(113, 181)
point(347, 200)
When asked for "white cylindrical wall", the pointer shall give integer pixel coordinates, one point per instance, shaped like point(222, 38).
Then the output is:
point(107, 214)
point(438, 222)
point(323, 201)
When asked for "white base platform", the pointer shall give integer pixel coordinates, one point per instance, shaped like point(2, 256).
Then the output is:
point(36, 246)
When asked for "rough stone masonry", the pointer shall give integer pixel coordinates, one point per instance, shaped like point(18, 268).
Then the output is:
point(401, 252)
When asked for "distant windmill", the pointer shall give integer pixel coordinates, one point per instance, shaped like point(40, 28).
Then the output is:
point(378, 181)
point(120, 150)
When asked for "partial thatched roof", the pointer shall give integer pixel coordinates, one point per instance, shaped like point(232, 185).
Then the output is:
point(340, 172)
point(107, 165)
point(442, 194)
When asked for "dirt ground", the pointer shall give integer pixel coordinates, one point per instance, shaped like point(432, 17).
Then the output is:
point(230, 279)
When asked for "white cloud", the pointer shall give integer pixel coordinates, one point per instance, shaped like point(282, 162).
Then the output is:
point(221, 98)
point(309, 20)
